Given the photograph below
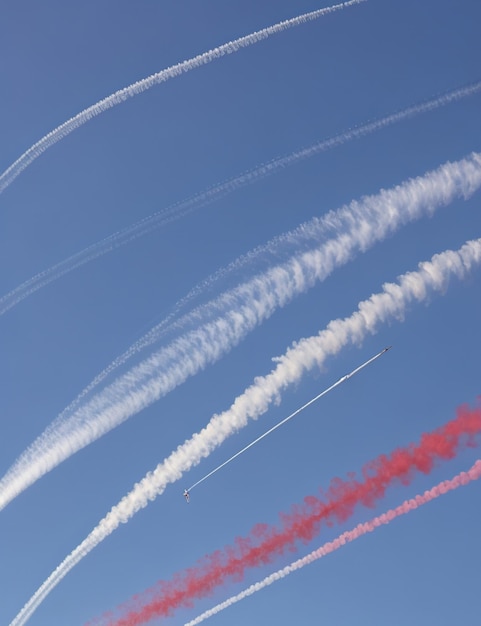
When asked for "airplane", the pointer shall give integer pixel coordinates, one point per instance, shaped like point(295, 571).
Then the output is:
point(186, 495)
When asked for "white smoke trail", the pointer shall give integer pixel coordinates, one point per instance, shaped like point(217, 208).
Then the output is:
point(224, 322)
point(140, 86)
point(463, 478)
point(271, 249)
point(204, 198)
point(303, 356)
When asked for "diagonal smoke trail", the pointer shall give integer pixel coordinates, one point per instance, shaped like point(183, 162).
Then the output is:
point(463, 478)
point(304, 521)
point(140, 86)
point(307, 354)
point(285, 420)
point(221, 324)
point(224, 322)
point(204, 198)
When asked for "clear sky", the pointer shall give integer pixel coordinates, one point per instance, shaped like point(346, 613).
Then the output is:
point(177, 139)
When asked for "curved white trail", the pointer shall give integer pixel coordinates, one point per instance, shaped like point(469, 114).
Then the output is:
point(390, 304)
point(221, 324)
point(286, 419)
point(9, 175)
point(214, 193)
point(463, 478)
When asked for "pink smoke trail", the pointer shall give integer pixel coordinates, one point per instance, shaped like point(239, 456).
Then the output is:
point(303, 523)
point(463, 478)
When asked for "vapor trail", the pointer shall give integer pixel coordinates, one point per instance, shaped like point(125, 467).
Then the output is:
point(463, 478)
point(218, 326)
point(206, 197)
point(140, 86)
point(302, 357)
point(304, 521)
point(288, 418)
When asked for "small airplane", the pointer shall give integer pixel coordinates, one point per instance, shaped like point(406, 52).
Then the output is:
point(186, 495)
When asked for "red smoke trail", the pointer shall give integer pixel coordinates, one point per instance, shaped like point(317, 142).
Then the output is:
point(463, 478)
point(303, 522)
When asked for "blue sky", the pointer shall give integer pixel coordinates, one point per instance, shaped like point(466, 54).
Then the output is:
point(176, 140)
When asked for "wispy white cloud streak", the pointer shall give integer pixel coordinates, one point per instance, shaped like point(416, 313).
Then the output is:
point(9, 175)
point(463, 478)
point(214, 193)
point(221, 324)
point(390, 304)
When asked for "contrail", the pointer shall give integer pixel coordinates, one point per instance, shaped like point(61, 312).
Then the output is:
point(304, 522)
point(302, 357)
point(218, 326)
point(463, 478)
point(214, 193)
point(140, 86)
point(286, 419)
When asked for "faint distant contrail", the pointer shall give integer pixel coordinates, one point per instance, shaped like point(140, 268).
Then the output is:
point(218, 326)
point(463, 478)
point(140, 86)
point(302, 357)
point(204, 198)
